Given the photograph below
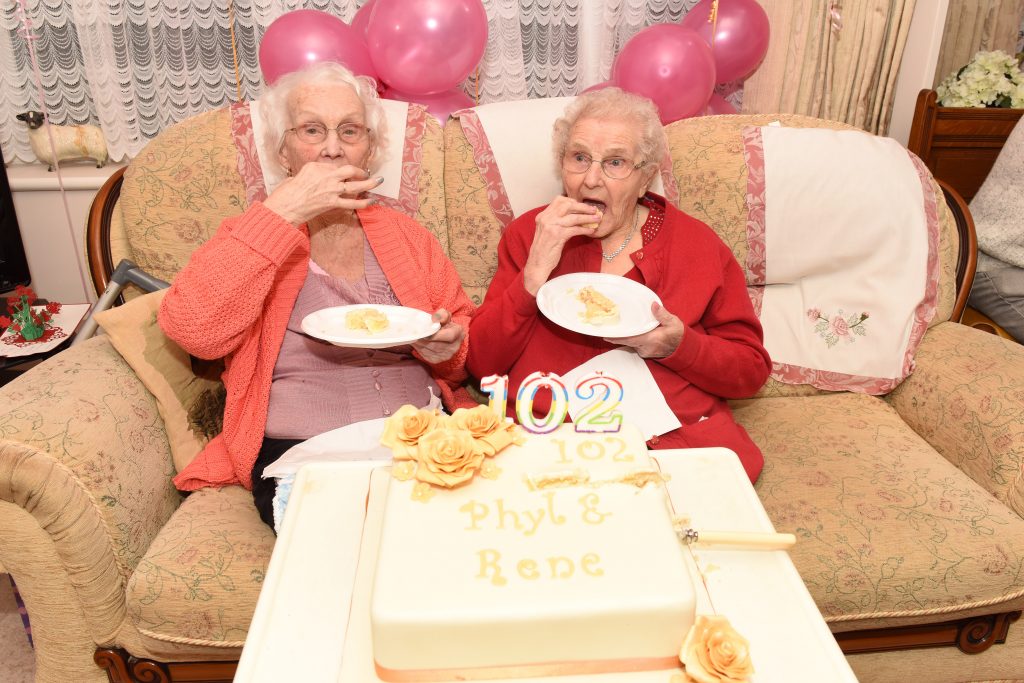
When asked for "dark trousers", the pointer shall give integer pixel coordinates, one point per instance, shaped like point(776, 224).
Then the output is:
point(263, 490)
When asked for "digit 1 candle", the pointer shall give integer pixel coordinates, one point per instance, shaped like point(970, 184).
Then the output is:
point(600, 415)
point(559, 402)
point(496, 386)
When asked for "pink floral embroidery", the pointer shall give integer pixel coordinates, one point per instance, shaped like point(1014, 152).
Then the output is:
point(839, 326)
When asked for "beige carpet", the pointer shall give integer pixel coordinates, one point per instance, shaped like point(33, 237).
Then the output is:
point(17, 664)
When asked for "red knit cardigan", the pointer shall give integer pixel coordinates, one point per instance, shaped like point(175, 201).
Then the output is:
point(234, 298)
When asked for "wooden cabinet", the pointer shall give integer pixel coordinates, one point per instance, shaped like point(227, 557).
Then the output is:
point(959, 145)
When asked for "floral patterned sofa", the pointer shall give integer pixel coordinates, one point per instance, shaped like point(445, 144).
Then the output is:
point(908, 507)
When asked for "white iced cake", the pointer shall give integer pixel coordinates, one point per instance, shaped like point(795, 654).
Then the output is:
point(565, 561)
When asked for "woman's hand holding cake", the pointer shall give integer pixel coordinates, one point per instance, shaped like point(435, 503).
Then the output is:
point(563, 219)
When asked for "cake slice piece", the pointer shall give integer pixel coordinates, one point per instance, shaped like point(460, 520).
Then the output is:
point(369, 319)
point(598, 308)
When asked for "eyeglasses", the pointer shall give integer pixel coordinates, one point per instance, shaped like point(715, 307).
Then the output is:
point(615, 168)
point(315, 133)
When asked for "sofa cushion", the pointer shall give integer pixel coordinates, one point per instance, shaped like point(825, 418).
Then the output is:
point(889, 532)
point(199, 581)
point(188, 391)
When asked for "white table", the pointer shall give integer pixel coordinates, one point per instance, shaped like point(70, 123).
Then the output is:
point(312, 618)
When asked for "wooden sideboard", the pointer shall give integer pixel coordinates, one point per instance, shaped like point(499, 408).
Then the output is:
point(959, 145)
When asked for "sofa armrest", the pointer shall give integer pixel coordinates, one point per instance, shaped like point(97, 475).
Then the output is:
point(83, 452)
point(966, 398)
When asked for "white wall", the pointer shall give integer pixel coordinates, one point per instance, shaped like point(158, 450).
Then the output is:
point(55, 248)
point(918, 68)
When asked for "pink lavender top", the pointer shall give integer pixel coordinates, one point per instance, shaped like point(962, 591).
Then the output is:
point(317, 386)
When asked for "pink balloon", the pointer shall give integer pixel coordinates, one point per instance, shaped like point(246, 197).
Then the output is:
point(740, 39)
point(719, 105)
point(669, 64)
point(362, 17)
point(599, 86)
point(422, 47)
point(307, 36)
point(441, 104)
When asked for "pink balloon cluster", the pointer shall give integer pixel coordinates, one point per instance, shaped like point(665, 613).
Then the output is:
point(678, 65)
point(418, 50)
point(308, 36)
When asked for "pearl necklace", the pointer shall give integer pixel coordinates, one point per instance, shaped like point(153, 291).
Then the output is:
point(636, 221)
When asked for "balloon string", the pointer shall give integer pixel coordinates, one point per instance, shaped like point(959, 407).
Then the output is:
point(234, 49)
point(713, 20)
point(30, 39)
point(476, 85)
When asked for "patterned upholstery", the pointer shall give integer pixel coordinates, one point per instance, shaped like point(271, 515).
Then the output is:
point(888, 532)
point(199, 581)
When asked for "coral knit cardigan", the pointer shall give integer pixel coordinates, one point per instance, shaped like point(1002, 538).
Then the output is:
point(234, 298)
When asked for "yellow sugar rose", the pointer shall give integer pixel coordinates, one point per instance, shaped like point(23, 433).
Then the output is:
point(714, 652)
point(405, 428)
point(478, 421)
point(447, 457)
point(491, 431)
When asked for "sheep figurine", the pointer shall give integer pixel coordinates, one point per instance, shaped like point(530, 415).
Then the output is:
point(71, 142)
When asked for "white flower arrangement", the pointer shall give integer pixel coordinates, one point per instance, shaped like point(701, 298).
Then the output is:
point(990, 79)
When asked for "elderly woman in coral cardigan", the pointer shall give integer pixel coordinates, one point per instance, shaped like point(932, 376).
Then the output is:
point(707, 346)
point(317, 241)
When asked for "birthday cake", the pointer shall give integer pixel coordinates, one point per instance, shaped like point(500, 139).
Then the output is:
point(556, 556)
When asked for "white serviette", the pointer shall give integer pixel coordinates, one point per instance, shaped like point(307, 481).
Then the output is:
point(359, 441)
point(643, 404)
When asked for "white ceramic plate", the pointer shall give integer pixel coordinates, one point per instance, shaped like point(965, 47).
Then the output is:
point(406, 326)
point(557, 301)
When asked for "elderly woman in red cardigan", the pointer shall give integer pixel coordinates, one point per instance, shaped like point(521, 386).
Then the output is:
point(317, 241)
point(707, 346)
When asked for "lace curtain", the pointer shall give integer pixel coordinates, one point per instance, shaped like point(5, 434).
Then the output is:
point(134, 67)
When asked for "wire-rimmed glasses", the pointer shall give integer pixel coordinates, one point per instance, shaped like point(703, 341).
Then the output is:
point(315, 133)
point(616, 168)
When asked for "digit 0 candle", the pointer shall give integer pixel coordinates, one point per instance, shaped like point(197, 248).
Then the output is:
point(556, 412)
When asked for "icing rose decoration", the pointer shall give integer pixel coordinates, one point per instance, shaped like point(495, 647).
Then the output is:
point(479, 421)
point(447, 457)
point(407, 426)
point(491, 431)
point(714, 652)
